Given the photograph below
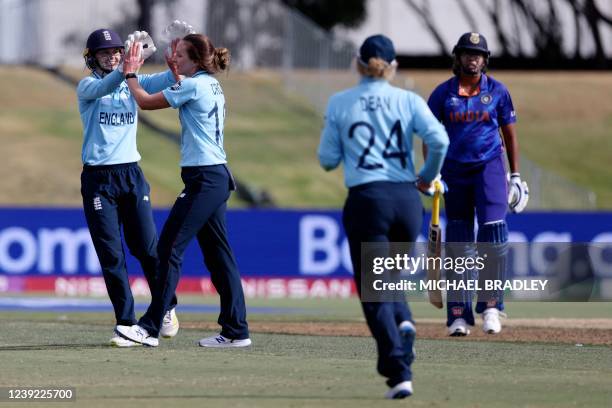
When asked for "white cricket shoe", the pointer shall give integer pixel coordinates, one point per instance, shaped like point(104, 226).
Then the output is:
point(138, 334)
point(490, 321)
point(118, 341)
point(458, 328)
point(170, 324)
point(223, 342)
point(400, 391)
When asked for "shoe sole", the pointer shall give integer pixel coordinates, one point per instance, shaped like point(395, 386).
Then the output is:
point(207, 346)
point(169, 335)
point(118, 345)
point(459, 333)
point(230, 345)
point(402, 395)
point(114, 345)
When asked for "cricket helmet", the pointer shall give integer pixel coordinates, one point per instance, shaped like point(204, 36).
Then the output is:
point(99, 40)
point(472, 41)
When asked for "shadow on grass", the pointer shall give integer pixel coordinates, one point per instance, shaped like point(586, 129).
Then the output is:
point(245, 396)
point(56, 347)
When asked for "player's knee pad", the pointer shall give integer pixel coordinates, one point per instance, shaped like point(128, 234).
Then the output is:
point(492, 245)
point(495, 232)
point(460, 231)
point(460, 238)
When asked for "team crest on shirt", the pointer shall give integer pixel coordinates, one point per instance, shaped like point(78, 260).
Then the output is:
point(475, 38)
point(176, 86)
point(486, 99)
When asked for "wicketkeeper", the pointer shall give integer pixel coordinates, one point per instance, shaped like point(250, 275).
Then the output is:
point(116, 195)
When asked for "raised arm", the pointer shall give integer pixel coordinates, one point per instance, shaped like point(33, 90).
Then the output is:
point(131, 65)
point(94, 88)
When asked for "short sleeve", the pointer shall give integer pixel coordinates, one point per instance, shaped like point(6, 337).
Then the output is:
point(181, 92)
point(436, 103)
point(505, 108)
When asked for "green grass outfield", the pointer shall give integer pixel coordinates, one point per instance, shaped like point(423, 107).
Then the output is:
point(58, 349)
point(271, 137)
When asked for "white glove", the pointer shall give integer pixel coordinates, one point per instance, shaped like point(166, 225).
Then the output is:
point(443, 187)
point(518, 194)
point(148, 47)
point(177, 29)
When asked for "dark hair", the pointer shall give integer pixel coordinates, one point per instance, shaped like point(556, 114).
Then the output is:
point(457, 62)
point(201, 51)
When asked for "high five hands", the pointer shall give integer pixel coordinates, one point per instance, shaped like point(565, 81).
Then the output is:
point(133, 59)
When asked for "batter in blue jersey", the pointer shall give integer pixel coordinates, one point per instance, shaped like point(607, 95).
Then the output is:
point(370, 129)
point(115, 193)
point(474, 107)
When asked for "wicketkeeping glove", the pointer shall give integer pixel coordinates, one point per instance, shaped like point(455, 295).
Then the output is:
point(177, 29)
point(518, 194)
point(148, 47)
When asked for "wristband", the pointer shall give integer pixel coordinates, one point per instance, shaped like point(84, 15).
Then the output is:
point(131, 75)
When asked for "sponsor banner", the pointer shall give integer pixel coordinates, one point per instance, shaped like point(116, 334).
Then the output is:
point(268, 288)
point(269, 244)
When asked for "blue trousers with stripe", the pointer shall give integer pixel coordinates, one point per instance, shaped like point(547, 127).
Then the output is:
point(117, 197)
point(383, 212)
point(199, 212)
point(481, 190)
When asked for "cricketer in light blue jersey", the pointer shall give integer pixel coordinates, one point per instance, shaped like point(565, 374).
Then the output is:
point(199, 210)
point(370, 128)
point(116, 194)
point(201, 105)
point(110, 116)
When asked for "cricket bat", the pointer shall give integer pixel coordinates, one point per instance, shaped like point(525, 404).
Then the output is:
point(434, 246)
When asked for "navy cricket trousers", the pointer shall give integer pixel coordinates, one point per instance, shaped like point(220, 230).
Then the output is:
point(116, 196)
point(199, 211)
point(384, 212)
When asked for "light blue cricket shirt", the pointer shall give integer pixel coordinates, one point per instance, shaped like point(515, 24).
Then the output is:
point(201, 106)
point(370, 126)
point(109, 115)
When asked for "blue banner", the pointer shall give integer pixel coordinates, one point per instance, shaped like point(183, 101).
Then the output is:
point(267, 243)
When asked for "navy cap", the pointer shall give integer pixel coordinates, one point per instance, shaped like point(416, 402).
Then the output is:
point(101, 39)
point(377, 46)
point(472, 41)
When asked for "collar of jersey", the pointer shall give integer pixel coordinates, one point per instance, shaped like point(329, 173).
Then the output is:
point(198, 73)
point(374, 81)
point(484, 85)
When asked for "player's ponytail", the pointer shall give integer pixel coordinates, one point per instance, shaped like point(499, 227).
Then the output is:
point(221, 59)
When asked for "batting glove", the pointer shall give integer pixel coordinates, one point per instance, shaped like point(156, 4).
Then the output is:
point(177, 29)
point(148, 47)
point(518, 194)
point(432, 189)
